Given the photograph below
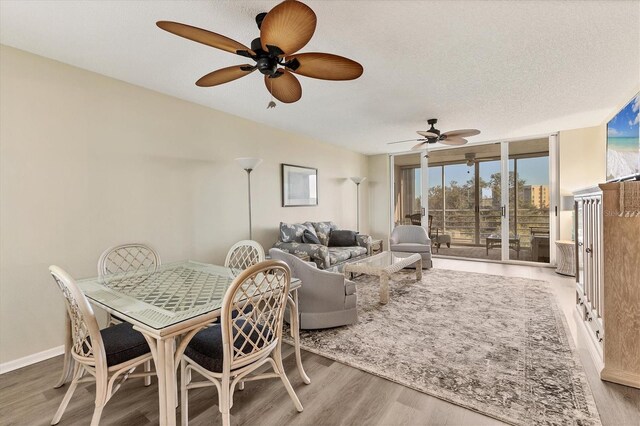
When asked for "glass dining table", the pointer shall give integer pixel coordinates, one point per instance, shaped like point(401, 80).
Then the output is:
point(171, 301)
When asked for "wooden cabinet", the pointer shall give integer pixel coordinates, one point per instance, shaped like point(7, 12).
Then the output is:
point(608, 281)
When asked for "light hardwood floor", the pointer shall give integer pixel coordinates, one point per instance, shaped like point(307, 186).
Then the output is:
point(338, 394)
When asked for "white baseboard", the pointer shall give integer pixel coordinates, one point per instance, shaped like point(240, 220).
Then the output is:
point(31, 359)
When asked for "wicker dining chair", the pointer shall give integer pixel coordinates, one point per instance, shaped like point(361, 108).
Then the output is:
point(119, 259)
point(128, 258)
point(109, 356)
point(243, 254)
point(225, 354)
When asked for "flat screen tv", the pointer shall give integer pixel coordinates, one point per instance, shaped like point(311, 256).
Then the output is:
point(623, 142)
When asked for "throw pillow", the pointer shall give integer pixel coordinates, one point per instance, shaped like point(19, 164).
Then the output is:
point(340, 238)
point(292, 233)
point(323, 230)
point(309, 237)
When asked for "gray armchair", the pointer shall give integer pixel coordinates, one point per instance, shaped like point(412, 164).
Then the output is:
point(412, 239)
point(326, 299)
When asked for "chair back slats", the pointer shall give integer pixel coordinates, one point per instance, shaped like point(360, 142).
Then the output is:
point(128, 258)
point(258, 296)
point(85, 332)
point(244, 254)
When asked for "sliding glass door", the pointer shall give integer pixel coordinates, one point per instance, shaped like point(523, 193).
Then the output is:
point(486, 201)
point(529, 201)
point(489, 207)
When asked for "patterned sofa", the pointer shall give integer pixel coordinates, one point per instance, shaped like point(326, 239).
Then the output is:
point(290, 240)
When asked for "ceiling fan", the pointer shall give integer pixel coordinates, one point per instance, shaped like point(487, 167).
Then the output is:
point(433, 135)
point(283, 31)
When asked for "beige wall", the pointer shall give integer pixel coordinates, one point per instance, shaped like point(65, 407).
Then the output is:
point(87, 162)
point(582, 159)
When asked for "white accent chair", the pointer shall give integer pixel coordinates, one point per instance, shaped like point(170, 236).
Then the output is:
point(109, 356)
point(227, 353)
point(243, 254)
point(326, 299)
point(412, 239)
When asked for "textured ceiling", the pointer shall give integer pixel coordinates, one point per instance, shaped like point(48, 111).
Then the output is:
point(510, 69)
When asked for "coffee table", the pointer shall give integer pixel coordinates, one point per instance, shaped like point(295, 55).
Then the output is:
point(384, 265)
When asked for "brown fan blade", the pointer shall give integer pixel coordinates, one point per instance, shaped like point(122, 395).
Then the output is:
point(326, 66)
point(224, 75)
point(453, 141)
point(285, 88)
point(462, 133)
point(203, 36)
point(288, 26)
point(427, 134)
point(419, 146)
point(408, 140)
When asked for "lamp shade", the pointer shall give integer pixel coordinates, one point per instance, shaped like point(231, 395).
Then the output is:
point(357, 180)
point(249, 163)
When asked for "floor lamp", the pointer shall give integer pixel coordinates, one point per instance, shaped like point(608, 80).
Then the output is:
point(249, 164)
point(358, 181)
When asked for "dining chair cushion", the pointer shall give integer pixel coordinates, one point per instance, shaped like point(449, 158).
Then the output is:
point(206, 346)
point(123, 343)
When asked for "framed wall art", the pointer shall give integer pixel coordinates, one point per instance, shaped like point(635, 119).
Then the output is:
point(299, 186)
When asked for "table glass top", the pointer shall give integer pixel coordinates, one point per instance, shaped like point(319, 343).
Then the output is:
point(164, 296)
point(384, 259)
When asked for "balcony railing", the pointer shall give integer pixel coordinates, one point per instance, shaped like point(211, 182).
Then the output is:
point(460, 224)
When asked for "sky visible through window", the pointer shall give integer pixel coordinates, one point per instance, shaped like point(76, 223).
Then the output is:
point(534, 171)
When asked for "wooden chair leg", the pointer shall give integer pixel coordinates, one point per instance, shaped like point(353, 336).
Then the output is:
point(102, 389)
point(277, 356)
point(225, 401)
point(67, 396)
point(97, 413)
point(185, 378)
point(68, 363)
point(147, 369)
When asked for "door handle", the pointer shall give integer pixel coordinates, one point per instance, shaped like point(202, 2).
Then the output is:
point(423, 211)
point(503, 211)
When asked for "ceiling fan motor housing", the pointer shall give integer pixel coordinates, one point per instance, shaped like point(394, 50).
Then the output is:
point(267, 65)
point(266, 62)
point(432, 122)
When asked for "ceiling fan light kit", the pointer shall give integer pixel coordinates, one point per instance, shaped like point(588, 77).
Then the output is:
point(284, 30)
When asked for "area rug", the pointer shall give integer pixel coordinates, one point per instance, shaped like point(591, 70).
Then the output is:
point(496, 345)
